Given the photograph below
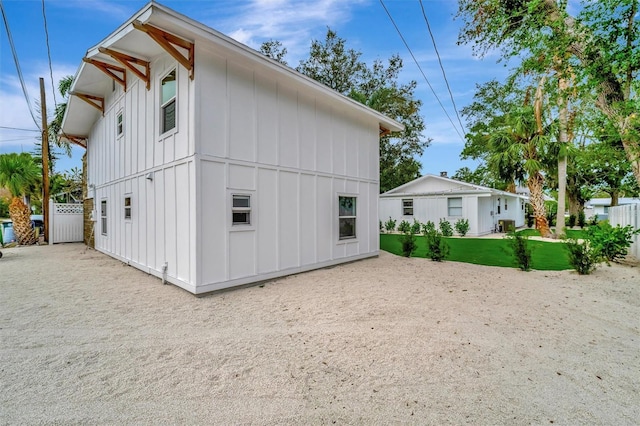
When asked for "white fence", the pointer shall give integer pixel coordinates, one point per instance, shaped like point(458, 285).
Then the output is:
point(66, 223)
point(628, 214)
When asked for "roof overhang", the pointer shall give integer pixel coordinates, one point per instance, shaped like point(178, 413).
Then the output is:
point(132, 39)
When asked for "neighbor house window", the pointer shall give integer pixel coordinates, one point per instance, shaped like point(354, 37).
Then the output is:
point(241, 210)
point(127, 207)
point(505, 204)
point(168, 102)
point(454, 206)
point(407, 207)
point(119, 124)
point(347, 217)
point(103, 217)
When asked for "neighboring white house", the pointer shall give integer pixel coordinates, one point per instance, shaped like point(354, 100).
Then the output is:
point(431, 198)
point(600, 206)
point(213, 166)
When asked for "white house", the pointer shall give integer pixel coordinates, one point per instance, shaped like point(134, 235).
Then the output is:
point(212, 166)
point(600, 206)
point(431, 198)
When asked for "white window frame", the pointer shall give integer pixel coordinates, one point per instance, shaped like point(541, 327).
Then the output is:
point(120, 124)
point(505, 204)
point(127, 208)
point(163, 105)
point(353, 217)
point(406, 207)
point(241, 209)
point(103, 216)
point(453, 213)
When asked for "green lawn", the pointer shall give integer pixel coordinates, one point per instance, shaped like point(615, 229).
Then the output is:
point(571, 233)
point(546, 256)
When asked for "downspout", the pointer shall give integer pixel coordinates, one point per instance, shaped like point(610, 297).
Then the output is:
point(164, 272)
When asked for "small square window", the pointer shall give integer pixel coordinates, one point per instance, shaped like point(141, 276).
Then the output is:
point(346, 218)
point(454, 206)
point(407, 207)
point(241, 210)
point(127, 208)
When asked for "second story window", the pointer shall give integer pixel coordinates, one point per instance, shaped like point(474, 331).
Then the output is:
point(168, 102)
point(119, 124)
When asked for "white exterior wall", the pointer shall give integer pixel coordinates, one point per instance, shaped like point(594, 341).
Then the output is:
point(162, 227)
point(294, 154)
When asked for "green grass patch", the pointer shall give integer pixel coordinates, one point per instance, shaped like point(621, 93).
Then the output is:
point(546, 256)
point(571, 233)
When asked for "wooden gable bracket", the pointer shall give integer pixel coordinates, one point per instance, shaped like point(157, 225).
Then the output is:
point(131, 63)
point(95, 101)
point(384, 132)
point(110, 70)
point(169, 42)
point(78, 140)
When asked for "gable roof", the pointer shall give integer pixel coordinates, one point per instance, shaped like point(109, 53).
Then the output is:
point(437, 185)
point(80, 116)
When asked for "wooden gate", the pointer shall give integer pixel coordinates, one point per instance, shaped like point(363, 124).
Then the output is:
point(66, 223)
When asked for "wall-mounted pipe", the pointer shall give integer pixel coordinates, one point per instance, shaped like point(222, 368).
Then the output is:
point(164, 272)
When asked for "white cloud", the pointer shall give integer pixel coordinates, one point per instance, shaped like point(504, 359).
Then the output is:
point(291, 22)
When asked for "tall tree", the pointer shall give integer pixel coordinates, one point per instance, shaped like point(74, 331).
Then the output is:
point(17, 173)
point(55, 126)
point(603, 41)
point(273, 49)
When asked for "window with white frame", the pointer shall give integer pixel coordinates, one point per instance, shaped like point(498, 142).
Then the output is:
point(168, 102)
point(454, 206)
point(241, 210)
point(407, 207)
point(346, 217)
point(103, 217)
point(505, 204)
point(498, 205)
point(119, 124)
point(127, 207)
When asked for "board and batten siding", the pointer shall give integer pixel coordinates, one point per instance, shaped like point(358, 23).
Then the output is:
point(294, 153)
point(156, 171)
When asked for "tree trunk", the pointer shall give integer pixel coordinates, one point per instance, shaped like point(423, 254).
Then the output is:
point(536, 199)
point(563, 140)
point(614, 198)
point(575, 206)
point(21, 218)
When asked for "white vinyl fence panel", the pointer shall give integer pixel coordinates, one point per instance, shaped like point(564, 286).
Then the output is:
point(628, 214)
point(66, 222)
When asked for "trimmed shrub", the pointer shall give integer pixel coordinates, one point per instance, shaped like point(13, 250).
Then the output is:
point(445, 228)
point(583, 256)
point(612, 243)
point(390, 225)
point(415, 228)
point(581, 219)
point(437, 247)
point(409, 244)
point(428, 228)
point(572, 221)
point(521, 250)
point(404, 227)
point(462, 227)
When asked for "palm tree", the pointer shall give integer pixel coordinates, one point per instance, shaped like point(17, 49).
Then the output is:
point(17, 173)
point(516, 154)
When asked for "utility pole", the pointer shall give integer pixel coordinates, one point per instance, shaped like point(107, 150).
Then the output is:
point(45, 161)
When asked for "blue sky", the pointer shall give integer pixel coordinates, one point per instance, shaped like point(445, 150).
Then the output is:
point(76, 25)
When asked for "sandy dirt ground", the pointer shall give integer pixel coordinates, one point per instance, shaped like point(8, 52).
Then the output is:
point(85, 339)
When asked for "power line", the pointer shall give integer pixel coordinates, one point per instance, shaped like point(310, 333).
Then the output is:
point(17, 63)
point(433, 40)
point(17, 128)
point(46, 34)
point(421, 71)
